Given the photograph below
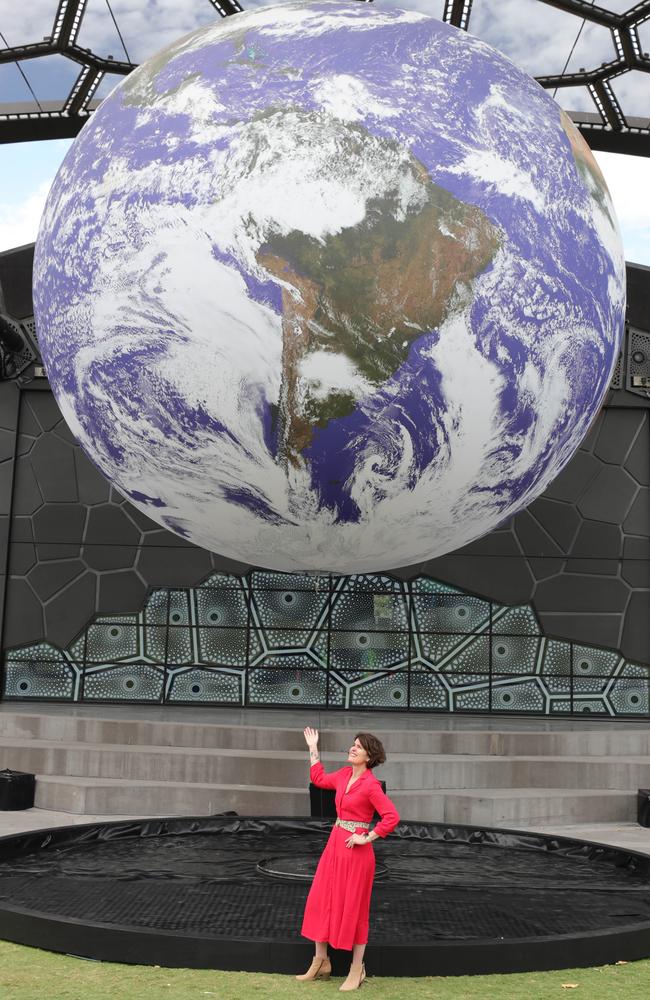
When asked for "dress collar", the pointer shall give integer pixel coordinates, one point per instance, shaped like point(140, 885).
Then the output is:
point(363, 774)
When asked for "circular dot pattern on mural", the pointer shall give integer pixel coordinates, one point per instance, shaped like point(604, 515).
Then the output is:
point(221, 363)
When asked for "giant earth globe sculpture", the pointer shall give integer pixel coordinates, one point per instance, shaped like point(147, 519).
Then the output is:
point(329, 287)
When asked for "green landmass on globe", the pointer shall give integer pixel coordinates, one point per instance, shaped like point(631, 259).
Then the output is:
point(368, 291)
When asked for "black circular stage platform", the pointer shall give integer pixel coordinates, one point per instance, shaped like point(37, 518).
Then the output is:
point(228, 892)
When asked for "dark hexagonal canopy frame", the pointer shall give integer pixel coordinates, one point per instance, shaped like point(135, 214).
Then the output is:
point(608, 127)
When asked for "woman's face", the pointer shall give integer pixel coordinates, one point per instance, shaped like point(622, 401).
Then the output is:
point(357, 754)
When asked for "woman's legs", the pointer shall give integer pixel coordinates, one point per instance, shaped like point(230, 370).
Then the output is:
point(357, 954)
point(320, 967)
point(354, 975)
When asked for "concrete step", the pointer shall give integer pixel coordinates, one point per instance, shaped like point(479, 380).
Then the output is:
point(117, 796)
point(518, 807)
point(289, 769)
point(614, 741)
point(489, 806)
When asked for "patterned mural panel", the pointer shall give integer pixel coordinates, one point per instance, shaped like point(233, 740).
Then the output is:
point(352, 643)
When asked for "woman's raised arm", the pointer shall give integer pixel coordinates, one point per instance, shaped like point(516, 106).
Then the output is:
point(316, 772)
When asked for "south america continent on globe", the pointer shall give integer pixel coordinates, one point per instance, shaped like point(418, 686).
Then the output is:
point(329, 287)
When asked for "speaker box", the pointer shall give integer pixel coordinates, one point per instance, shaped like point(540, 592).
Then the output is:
point(322, 800)
point(643, 807)
point(16, 790)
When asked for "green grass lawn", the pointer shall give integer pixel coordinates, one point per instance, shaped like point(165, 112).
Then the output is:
point(30, 974)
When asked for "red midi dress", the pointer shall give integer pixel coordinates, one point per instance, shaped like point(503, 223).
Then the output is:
point(338, 905)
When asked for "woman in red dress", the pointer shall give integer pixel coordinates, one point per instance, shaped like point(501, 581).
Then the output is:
point(338, 904)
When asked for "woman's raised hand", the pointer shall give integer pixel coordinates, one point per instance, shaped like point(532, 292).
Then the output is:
point(311, 736)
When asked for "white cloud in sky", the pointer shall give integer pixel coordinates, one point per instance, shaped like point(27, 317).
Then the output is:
point(628, 180)
point(27, 170)
point(19, 221)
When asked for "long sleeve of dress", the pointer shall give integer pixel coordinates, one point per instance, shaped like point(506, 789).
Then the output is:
point(320, 778)
point(385, 808)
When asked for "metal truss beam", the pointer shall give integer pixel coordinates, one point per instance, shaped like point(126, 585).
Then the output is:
point(226, 7)
point(457, 12)
point(582, 8)
point(67, 22)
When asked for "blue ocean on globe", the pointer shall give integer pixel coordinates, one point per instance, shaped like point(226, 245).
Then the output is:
point(329, 287)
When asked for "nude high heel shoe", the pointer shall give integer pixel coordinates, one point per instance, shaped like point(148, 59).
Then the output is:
point(320, 968)
point(350, 984)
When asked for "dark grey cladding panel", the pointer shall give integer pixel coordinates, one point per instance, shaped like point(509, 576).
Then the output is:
point(59, 530)
point(27, 496)
point(21, 529)
point(609, 496)
point(559, 520)
point(635, 643)
point(25, 444)
point(16, 275)
point(53, 463)
point(23, 620)
point(638, 296)
point(597, 630)
point(63, 431)
point(6, 471)
point(590, 438)
point(68, 612)
point(28, 422)
point(638, 460)
point(543, 568)
point(109, 556)
point(7, 443)
point(572, 592)
point(22, 558)
point(45, 409)
point(108, 524)
point(497, 543)
point(637, 574)
point(118, 591)
point(8, 405)
point(48, 578)
point(574, 478)
point(637, 521)
point(165, 558)
point(111, 539)
point(636, 547)
point(93, 487)
point(503, 576)
point(535, 541)
point(617, 433)
point(597, 538)
point(598, 567)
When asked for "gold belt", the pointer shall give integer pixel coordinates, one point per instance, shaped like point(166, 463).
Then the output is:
point(350, 824)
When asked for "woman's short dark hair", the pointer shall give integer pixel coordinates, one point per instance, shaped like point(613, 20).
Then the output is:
point(373, 747)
